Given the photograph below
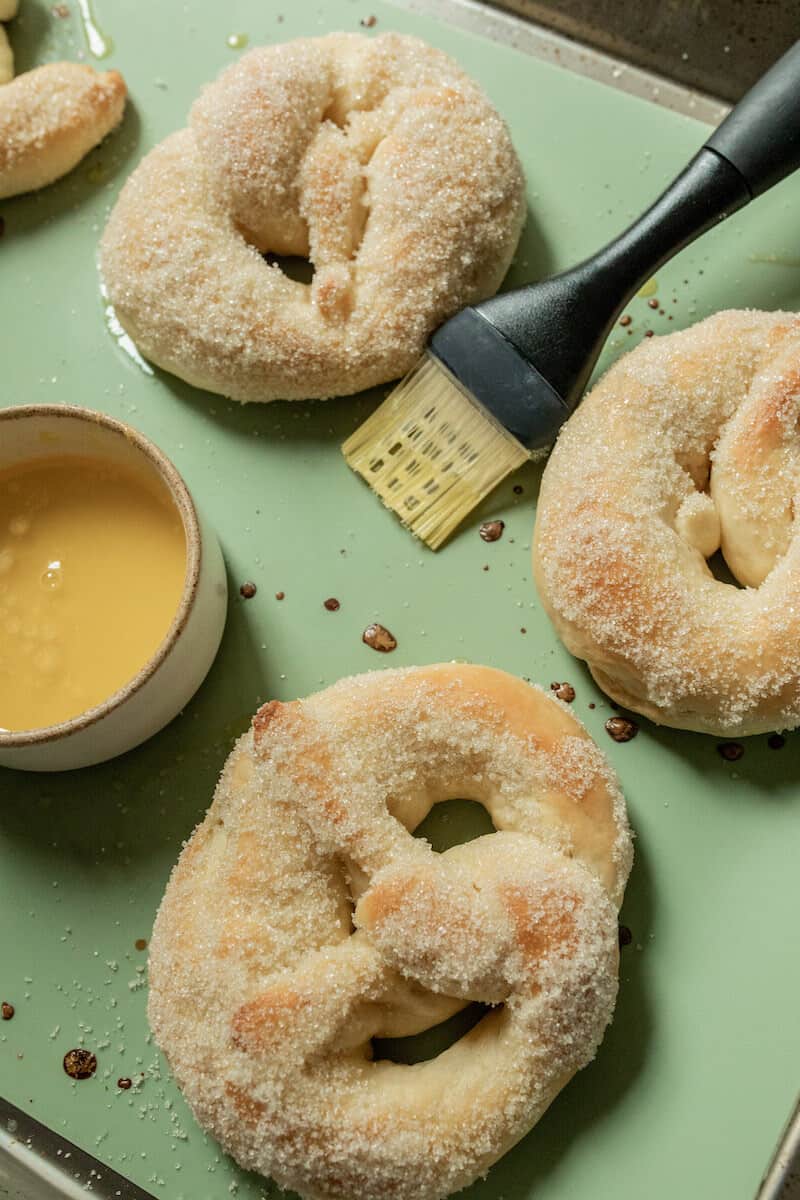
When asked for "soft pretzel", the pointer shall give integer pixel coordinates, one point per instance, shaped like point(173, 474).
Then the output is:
point(688, 443)
point(377, 158)
point(303, 919)
point(50, 118)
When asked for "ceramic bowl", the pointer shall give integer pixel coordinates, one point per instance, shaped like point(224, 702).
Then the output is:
point(167, 681)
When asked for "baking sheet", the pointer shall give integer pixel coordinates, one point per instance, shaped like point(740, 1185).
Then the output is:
point(699, 1070)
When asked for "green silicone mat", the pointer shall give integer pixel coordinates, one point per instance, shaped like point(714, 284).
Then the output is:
point(697, 1074)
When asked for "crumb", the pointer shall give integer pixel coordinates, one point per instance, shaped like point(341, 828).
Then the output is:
point(621, 729)
point(379, 638)
point(491, 531)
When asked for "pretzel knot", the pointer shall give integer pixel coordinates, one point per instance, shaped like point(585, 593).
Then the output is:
point(50, 117)
point(687, 446)
point(304, 920)
point(377, 158)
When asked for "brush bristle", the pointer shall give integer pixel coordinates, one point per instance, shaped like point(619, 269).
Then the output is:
point(431, 452)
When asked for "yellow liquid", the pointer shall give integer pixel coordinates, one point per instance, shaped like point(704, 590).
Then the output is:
point(92, 566)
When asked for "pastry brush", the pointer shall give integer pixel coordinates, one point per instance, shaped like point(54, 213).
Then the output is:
point(498, 379)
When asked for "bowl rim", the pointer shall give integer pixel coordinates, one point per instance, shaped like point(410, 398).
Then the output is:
point(183, 502)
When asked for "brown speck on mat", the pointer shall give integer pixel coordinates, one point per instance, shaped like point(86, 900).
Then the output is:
point(379, 638)
point(491, 531)
point(621, 729)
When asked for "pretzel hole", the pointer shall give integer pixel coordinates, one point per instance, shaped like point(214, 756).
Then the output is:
point(453, 822)
point(301, 270)
point(721, 571)
point(422, 1047)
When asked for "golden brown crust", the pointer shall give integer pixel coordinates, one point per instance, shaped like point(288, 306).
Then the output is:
point(308, 840)
point(377, 157)
point(50, 118)
point(688, 442)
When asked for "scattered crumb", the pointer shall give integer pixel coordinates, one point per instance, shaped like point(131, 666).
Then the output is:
point(379, 638)
point(621, 729)
point(491, 531)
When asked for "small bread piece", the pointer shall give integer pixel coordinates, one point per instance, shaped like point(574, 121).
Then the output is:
point(50, 118)
point(689, 443)
point(303, 919)
point(376, 158)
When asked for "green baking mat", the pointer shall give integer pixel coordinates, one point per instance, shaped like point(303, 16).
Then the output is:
point(698, 1072)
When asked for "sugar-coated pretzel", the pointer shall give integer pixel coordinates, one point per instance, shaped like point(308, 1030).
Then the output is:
point(50, 118)
point(377, 158)
point(303, 919)
point(689, 443)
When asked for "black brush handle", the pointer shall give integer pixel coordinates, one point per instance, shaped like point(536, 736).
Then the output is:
point(560, 324)
point(761, 136)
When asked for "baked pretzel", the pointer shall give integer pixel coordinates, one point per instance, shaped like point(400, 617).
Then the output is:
point(377, 158)
point(303, 919)
point(689, 443)
point(50, 118)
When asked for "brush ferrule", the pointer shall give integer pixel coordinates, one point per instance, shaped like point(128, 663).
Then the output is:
point(487, 366)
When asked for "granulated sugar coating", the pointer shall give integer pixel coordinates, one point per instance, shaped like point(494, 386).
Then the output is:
point(303, 920)
point(377, 158)
point(689, 443)
point(50, 118)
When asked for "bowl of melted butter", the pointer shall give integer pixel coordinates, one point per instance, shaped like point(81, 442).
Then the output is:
point(113, 591)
